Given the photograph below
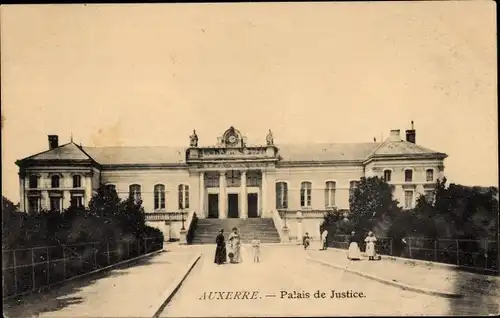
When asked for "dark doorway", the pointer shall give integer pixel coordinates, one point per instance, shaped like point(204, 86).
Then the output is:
point(232, 205)
point(252, 205)
point(213, 205)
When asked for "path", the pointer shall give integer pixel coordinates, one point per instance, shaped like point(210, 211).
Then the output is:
point(285, 268)
point(126, 292)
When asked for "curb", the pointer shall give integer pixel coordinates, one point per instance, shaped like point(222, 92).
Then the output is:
point(169, 293)
point(421, 290)
point(103, 269)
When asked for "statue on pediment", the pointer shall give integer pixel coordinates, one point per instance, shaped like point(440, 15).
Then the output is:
point(194, 139)
point(269, 138)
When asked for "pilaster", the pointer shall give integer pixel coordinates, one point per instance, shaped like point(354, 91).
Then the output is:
point(243, 195)
point(202, 195)
point(222, 195)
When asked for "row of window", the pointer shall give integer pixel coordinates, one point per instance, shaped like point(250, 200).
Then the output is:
point(306, 194)
point(55, 181)
point(429, 175)
point(330, 186)
point(54, 203)
point(159, 195)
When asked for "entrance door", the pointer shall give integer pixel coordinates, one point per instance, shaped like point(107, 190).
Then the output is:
point(252, 205)
point(232, 205)
point(213, 205)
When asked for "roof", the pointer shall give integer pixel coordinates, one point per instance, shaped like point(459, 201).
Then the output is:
point(326, 151)
point(137, 155)
point(69, 151)
point(288, 152)
point(401, 147)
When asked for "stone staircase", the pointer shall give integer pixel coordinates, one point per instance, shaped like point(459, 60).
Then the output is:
point(207, 230)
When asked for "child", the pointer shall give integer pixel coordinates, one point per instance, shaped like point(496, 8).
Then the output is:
point(256, 249)
point(306, 240)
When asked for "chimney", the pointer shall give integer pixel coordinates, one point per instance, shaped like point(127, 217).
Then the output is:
point(53, 141)
point(410, 134)
point(395, 135)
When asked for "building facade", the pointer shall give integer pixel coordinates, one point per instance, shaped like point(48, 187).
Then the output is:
point(229, 179)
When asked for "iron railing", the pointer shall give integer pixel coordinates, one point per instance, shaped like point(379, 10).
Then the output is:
point(30, 269)
point(481, 255)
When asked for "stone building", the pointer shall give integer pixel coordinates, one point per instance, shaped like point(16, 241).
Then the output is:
point(290, 184)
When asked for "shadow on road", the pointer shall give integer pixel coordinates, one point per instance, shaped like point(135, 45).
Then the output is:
point(481, 295)
point(63, 295)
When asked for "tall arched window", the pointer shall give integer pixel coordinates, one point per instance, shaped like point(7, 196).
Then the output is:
point(305, 194)
point(183, 196)
point(387, 175)
point(33, 182)
point(281, 195)
point(159, 197)
point(135, 192)
point(330, 194)
point(54, 181)
point(353, 185)
point(77, 181)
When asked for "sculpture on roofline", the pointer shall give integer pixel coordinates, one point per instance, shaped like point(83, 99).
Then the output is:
point(194, 139)
point(269, 138)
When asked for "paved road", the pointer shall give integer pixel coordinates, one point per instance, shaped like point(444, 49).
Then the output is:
point(285, 268)
point(131, 291)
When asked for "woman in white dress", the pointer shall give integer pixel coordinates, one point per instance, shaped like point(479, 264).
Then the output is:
point(235, 241)
point(354, 253)
point(370, 245)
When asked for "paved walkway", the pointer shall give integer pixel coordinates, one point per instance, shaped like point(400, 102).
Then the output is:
point(286, 269)
point(126, 292)
point(445, 279)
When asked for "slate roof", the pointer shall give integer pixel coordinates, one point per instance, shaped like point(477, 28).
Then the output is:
point(137, 155)
point(69, 151)
point(326, 151)
point(288, 152)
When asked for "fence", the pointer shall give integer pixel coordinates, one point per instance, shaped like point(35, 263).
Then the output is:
point(29, 269)
point(476, 255)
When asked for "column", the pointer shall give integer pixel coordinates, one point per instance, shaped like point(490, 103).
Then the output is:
point(264, 212)
point(202, 195)
point(88, 190)
point(65, 199)
point(21, 192)
point(45, 204)
point(243, 195)
point(222, 195)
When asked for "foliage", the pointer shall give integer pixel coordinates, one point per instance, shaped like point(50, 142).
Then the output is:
point(108, 219)
point(371, 204)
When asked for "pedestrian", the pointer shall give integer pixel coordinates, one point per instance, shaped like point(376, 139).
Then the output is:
point(324, 236)
point(370, 246)
point(354, 253)
point(256, 249)
point(306, 241)
point(220, 250)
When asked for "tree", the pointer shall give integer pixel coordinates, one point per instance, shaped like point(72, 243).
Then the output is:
point(372, 203)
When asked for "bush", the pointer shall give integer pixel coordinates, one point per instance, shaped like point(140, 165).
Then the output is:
point(108, 219)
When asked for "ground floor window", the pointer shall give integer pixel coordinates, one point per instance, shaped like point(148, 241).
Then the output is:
point(33, 205)
point(408, 199)
point(77, 201)
point(183, 190)
point(55, 204)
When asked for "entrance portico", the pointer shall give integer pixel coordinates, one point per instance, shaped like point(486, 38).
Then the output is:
point(231, 194)
point(232, 175)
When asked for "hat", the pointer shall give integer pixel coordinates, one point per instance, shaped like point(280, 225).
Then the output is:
point(370, 233)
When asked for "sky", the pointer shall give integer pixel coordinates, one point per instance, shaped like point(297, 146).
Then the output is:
point(145, 75)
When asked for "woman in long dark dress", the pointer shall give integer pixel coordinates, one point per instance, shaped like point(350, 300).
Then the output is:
point(220, 250)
